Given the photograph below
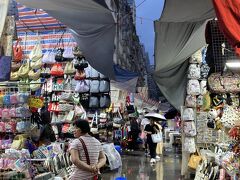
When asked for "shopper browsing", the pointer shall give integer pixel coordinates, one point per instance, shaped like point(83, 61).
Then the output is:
point(86, 152)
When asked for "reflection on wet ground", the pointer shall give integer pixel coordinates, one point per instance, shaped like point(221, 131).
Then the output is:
point(137, 167)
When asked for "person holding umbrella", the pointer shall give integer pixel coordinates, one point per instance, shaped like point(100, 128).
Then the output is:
point(150, 129)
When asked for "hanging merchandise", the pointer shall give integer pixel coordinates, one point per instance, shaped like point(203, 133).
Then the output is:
point(194, 161)
point(14, 76)
point(34, 74)
point(189, 145)
point(80, 75)
point(191, 101)
point(59, 55)
point(80, 63)
point(188, 114)
point(69, 68)
point(5, 66)
point(36, 54)
point(49, 57)
point(94, 86)
point(230, 116)
point(223, 83)
point(93, 102)
point(196, 58)
point(24, 69)
point(105, 101)
point(15, 66)
point(68, 53)
point(194, 71)
point(82, 86)
point(104, 86)
point(57, 70)
point(17, 52)
point(35, 85)
point(189, 128)
point(77, 52)
point(193, 87)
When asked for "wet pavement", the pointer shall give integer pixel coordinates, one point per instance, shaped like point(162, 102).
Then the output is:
point(137, 167)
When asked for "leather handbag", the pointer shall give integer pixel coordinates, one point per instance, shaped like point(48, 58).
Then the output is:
point(17, 52)
point(24, 70)
point(49, 57)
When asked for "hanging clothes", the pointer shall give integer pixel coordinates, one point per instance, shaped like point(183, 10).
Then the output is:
point(228, 15)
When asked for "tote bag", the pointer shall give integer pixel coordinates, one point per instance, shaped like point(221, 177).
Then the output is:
point(157, 138)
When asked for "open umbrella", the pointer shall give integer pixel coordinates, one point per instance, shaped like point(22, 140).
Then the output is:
point(157, 116)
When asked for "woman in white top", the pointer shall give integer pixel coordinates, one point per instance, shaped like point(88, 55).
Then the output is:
point(81, 169)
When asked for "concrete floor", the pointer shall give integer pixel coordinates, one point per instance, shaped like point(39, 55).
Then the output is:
point(137, 167)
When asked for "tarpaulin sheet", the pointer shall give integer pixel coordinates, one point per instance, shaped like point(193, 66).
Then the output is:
point(178, 34)
point(93, 26)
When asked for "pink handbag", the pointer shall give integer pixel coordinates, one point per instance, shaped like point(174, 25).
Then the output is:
point(14, 98)
point(5, 114)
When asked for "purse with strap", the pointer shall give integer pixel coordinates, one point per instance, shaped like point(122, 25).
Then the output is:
point(96, 177)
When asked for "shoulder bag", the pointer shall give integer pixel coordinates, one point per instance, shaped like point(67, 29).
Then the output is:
point(98, 176)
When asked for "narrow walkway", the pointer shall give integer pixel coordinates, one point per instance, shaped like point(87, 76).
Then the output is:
point(137, 167)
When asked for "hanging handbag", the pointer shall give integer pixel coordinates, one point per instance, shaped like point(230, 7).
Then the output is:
point(79, 110)
point(35, 85)
point(105, 101)
point(188, 114)
point(93, 102)
point(191, 101)
point(94, 86)
point(94, 73)
point(230, 116)
point(14, 76)
point(49, 57)
point(24, 69)
point(68, 53)
point(36, 64)
point(34, 74)
point(194, 71)
point(36, 53)
point(193, 87)
point(15, 66)
point(57, 70)
point(104, 86)
point(82, 86)
point(19, 142)
point(59, 55)
point(17, 52)
point(77, 52)
point(194, 161)
point(189, 128)
point(80, 75)
point(69, 68)
point(196, 57)
point(80, 64)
